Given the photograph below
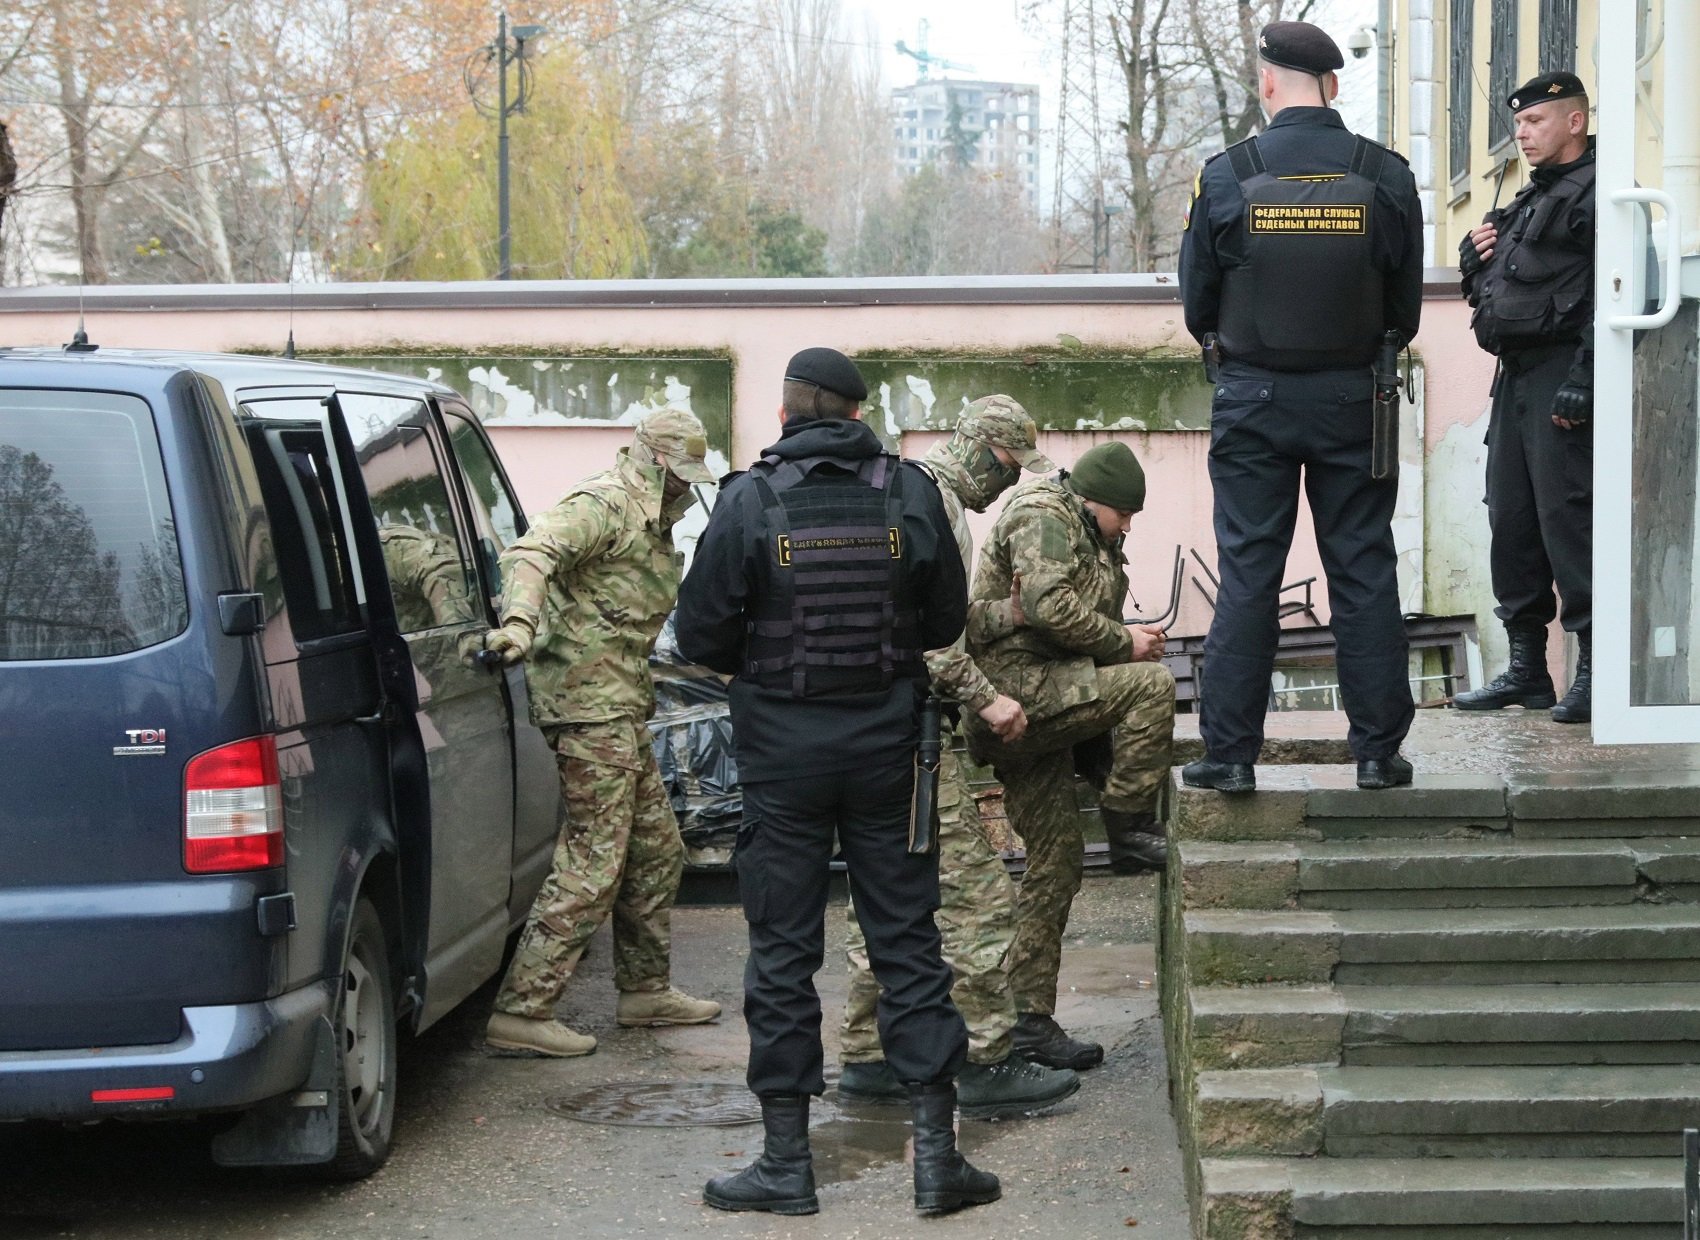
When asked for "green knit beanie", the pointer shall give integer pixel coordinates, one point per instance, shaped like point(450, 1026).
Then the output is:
point(1110, 475)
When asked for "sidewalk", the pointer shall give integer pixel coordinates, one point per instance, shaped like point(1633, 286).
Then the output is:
point(479, 1156)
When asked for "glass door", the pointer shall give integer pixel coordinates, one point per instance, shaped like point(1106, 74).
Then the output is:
point(1647, 382)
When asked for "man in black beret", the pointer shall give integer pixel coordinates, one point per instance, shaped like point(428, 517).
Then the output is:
point(825, 574)
point(1303, 250)
point(1529, 274)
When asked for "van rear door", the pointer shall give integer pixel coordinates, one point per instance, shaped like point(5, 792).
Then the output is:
point(110, 683)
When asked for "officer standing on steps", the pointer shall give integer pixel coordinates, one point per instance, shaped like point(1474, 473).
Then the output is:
point(1047, 624)
point(1529, 274)
point(1302, 250)
point(994, 441)
point(824, 574)
point(584, 595)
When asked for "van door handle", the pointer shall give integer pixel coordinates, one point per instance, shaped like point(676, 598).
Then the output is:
point(381, 718)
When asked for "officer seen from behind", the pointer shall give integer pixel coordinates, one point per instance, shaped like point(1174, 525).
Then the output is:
point(1302, 249)
point(825, 573)
point(1529, 274)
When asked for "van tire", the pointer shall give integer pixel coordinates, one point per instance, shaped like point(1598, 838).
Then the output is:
point(366, 1050)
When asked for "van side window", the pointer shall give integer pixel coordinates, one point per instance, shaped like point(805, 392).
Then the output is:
point(89, 562)
point(315, 574)
point(430, 574)
point(495, 514)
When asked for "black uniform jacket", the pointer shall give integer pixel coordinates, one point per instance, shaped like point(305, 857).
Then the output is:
point(1299, 142)
point(778, 736)
point(1578, 231)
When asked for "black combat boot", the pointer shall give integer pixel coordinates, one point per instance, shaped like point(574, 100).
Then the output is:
point(1578, 703)
point(1525, 682)
point(944, 1179)
point(1136, 841)
point(1222, 776)
point(871, 1082)
point(1011, 1087)
point(1039, 1039)
point(782, 1180)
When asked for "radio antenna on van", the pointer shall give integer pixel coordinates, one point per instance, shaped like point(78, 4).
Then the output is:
point(80, 338)
point(289, 345)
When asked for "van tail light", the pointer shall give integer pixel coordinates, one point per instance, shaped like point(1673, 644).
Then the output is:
point(233, 808)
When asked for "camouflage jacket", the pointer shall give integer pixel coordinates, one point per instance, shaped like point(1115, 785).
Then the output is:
point(1072, 587)
point(595, 577)
point(953, 671)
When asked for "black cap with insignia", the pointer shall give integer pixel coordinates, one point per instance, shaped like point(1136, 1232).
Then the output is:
point(1301, 46)
point(1546, 87)
point(828, 369)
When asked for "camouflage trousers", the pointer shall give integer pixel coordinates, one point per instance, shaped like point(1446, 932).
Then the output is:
point(619, 852)
point(1137, 700)
point(976, 921)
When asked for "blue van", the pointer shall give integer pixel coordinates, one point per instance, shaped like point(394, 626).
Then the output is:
point(264, 803)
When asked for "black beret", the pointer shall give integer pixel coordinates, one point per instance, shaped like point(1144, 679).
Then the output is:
point(829, 369)
point(1301, 46)
point(1546, 87)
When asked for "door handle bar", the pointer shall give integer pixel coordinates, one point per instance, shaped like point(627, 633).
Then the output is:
point(1671, 294)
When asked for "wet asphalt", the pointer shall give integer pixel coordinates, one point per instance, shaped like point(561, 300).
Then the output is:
point(482, 1151)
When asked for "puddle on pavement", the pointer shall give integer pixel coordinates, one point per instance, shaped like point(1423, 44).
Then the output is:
point(649, 1104)
point(846, 1140)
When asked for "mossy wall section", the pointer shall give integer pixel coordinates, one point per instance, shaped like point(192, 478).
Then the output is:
point(582, 390)
point(1063, 392)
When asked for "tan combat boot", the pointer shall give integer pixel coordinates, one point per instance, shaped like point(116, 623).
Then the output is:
point(545, 1036)
point(638, 1008)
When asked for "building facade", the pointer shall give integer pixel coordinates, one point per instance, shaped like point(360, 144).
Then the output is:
point(991, 128)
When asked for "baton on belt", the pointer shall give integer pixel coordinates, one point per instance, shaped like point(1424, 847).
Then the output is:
point(1384, 425)
point(924, 808)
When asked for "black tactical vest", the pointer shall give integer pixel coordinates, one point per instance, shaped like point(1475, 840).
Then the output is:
point(1538, 287)
point(1308, 295)
point(835, 617)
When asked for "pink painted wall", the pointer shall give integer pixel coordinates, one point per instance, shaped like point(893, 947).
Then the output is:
point(760, 338)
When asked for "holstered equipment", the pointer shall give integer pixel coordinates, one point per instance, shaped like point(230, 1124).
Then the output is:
point(924, 807)
point(1308, 294)
point(1384, 424)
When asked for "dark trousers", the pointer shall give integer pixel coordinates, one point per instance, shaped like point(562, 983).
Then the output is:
point(1540, 497)
point(1265, 427)
point(784, 847)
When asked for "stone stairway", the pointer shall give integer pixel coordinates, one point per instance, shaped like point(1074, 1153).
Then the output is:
point(1467, 1008)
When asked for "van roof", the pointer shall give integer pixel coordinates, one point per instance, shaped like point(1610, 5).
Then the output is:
point(229, 370)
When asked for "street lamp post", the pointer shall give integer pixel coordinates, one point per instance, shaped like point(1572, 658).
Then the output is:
point(504, 56)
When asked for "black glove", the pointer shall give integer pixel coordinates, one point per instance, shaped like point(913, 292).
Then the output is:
point(1573, 404)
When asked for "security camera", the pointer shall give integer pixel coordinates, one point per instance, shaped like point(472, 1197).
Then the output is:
point(1361, 42)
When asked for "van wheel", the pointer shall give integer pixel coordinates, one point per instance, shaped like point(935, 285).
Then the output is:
point(366, 1051)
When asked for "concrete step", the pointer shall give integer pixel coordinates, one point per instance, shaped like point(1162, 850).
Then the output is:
point(1446, 1112)
point(1440, 1199)
point(1601, 802)
point(1287, 1026)
point(1610, 943)
point(1437, 873)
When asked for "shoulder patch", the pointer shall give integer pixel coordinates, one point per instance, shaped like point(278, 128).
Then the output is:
point(1197, 188)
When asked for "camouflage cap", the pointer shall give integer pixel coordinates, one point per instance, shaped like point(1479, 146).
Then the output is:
point(1001, 422)
point(679, 440)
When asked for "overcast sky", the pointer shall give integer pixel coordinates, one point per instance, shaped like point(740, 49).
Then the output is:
point(990, 36)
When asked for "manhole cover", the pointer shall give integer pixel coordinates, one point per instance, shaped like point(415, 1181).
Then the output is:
point(647, 1105)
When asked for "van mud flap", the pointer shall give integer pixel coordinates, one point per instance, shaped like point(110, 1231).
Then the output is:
point(296, 1129)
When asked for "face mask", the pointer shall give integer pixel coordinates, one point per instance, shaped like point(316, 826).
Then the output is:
point(1000, 476)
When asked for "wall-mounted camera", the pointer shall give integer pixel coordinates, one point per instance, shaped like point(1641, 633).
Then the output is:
point(1361, 42)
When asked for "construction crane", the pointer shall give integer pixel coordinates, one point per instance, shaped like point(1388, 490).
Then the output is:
point(925, 59)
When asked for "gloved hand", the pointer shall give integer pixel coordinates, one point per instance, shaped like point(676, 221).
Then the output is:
point(1572, 406)
point(511, 641)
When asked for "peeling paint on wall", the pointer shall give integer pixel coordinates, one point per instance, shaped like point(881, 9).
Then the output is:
point(575, 391)
point(1132, 392)
point(1458, 579)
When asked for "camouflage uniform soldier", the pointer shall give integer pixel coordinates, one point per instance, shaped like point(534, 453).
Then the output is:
point(586, 592)
point(993, 443)
point(1048, 626)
